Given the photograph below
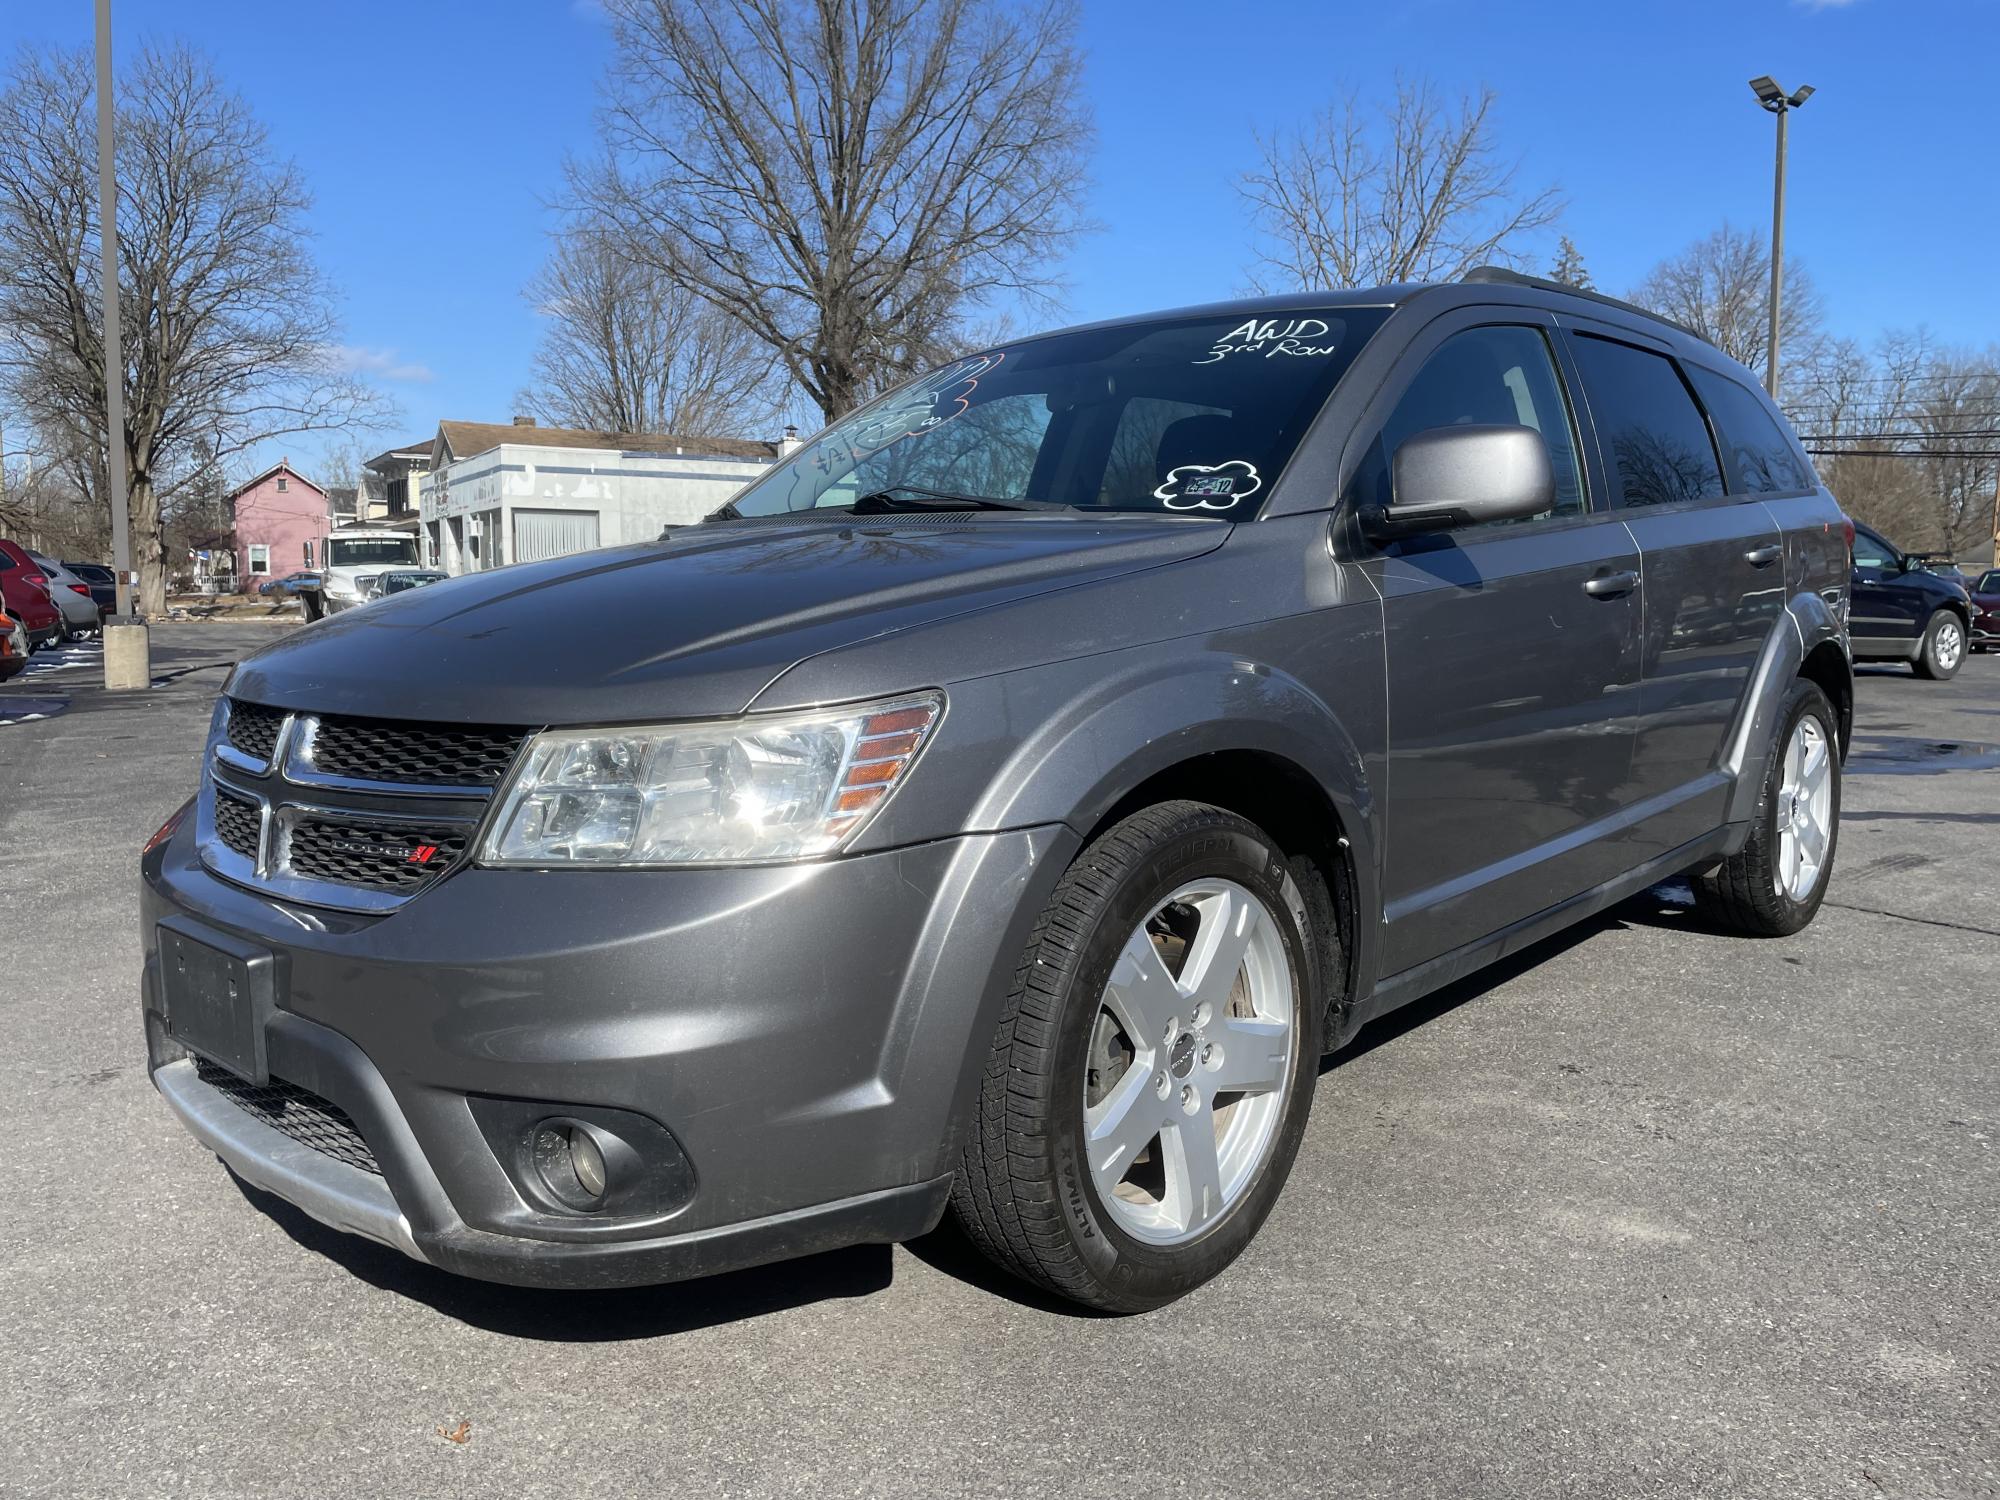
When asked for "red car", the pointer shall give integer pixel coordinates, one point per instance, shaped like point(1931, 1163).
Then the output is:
point(13, 647)
point(1985, 590)
point(24, 594)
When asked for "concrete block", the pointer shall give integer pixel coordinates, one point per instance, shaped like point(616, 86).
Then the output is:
point(128, 656)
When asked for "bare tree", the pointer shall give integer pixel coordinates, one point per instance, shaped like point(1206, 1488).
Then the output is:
point(1905, 434)
point(630, 349)
point(228, 322)
point(1720, 286)
point(1413, 191)
point(848, 182)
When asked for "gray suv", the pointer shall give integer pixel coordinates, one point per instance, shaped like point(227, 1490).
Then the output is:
point(1004, 802)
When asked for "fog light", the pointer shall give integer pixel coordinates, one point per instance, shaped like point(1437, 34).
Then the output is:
point(570, 1163)
point(588, 1162)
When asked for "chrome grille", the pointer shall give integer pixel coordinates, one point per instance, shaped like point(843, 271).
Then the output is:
point(296, 1112)
point(354, 813)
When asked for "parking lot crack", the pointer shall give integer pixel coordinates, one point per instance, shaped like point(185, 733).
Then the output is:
point(1876, 911)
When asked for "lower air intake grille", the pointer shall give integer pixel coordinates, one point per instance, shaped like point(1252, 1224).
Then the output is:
point(236, 822)
point(385, 856)
point(296, 1112)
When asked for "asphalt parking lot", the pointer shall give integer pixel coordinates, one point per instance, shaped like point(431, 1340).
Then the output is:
point(1648, 1211)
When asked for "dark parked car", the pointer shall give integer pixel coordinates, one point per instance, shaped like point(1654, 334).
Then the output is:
point(1004, 802)
point(1904, 611)
point(1985, 595)
point(24, 594)
point(103, 585)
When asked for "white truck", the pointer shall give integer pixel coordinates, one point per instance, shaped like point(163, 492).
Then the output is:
point(355, 558)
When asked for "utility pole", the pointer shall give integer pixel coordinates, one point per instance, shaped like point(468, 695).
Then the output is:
point(1781, 104)
point(128, 655)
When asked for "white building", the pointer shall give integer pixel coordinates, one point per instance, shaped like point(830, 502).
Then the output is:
point(519, 493)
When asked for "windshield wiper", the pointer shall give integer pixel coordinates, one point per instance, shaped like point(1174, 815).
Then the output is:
point(905, 497)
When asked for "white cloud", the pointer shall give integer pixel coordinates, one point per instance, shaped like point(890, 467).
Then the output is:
point(359, 359)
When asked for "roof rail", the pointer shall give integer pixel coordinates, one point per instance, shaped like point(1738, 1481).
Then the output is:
point(1503, 276)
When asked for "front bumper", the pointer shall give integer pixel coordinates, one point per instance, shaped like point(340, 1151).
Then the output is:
point(1985, 632)
point(810, 1035)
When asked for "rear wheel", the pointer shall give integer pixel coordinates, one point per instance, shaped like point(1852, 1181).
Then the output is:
point(1774, 885)
point(1153, 1070)
point(1943, 650)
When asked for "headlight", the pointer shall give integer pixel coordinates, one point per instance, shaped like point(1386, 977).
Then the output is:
point(738, 791)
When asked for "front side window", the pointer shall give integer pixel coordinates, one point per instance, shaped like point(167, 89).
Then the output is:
point(1989, 583)
point(1870, 551)
point(1503, 376)
point(1653, 435)
point(1188, 416)
point(1765, 461)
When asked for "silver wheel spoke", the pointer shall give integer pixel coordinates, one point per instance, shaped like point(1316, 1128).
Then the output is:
point(1194, 1171)
point(1141, 995)
point(1254, 1054)
point(1228, 925)
point(1813, 838)
point(1119, 1128)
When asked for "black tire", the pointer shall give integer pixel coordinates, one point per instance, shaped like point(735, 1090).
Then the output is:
point(1742, 894)
point(1929, 663)
point(1024, 1192)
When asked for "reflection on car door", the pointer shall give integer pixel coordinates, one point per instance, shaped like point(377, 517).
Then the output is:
point(1713, 564)
point(1512, 659)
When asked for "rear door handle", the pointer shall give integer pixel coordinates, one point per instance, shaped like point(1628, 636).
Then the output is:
point(1763, 557)
point(1611, 585)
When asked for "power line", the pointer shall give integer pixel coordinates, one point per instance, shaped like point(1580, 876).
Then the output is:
point(1903, 453)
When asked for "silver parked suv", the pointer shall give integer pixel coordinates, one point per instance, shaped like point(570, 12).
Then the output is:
point(1006, 800)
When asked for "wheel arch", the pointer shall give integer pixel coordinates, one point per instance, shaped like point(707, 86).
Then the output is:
point(1806, 642)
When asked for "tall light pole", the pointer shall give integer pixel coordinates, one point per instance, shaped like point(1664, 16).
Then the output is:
point(127, 649)
point(1779, 103)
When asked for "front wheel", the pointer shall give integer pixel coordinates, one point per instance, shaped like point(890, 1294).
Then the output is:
point(1773, 886)
point(1943, 650)
point(1153, 1070)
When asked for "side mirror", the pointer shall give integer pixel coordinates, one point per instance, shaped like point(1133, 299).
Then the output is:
point(1448, 477)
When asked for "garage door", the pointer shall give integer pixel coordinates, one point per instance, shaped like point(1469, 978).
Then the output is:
point(553, 533)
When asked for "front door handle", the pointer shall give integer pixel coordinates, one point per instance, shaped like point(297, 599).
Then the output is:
point(1611, 585)
point(1763, 557)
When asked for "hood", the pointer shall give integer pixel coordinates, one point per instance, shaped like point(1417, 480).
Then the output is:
point(693, 625)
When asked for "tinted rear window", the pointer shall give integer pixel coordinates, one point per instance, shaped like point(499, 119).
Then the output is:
point(1764, 459)
point(1653, 436)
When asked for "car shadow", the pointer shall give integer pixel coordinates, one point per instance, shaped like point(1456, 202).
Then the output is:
point(612, 1315)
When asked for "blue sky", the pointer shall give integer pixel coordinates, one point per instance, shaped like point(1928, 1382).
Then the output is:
point(433, 132)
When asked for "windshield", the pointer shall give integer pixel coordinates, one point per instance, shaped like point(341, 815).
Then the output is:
point(1181, 416)
point(358, 551)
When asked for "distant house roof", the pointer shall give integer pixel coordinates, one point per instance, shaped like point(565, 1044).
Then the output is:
point(342, 496)
point(463, 439)
point(421, 448)
point(282, 466)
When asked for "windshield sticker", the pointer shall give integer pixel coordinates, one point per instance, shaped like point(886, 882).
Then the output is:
point(1209, 486)
point(1269, 337)
point(927, 403)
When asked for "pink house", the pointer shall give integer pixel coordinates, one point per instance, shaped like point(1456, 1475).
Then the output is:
point(281, 525)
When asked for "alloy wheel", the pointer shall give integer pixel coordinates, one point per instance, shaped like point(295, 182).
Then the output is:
point(1191, 1051)
point(1805, 809)
point(1950, 644)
